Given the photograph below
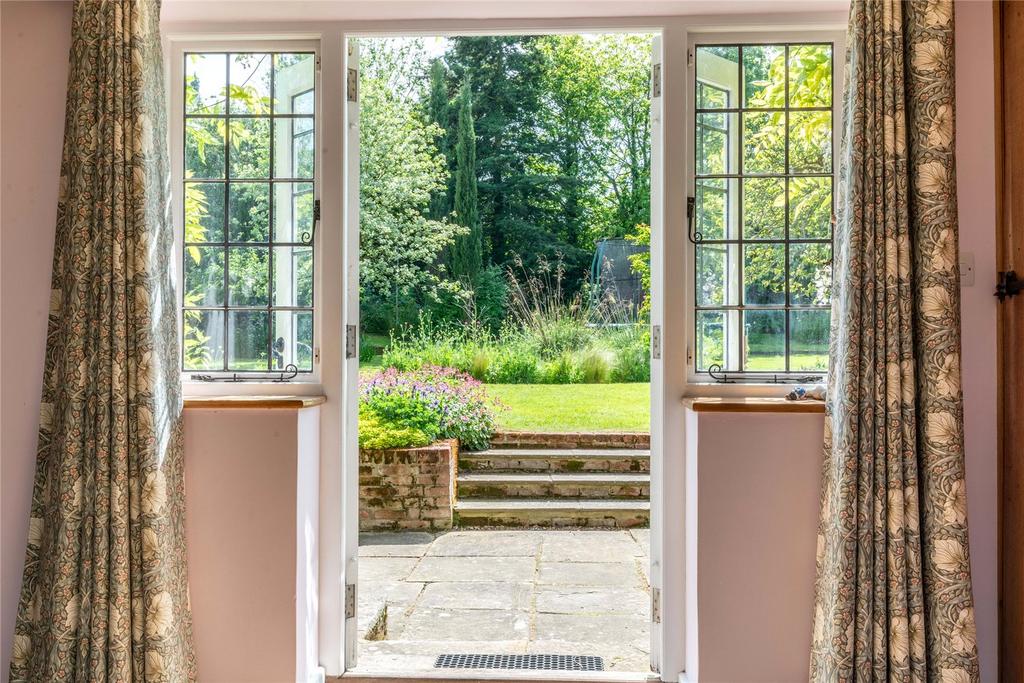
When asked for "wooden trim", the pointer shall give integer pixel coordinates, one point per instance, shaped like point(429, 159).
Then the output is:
point(754, 405)
point(252, 402)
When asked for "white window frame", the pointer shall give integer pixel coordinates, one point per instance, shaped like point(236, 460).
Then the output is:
point(701, 383)
point(304, 383)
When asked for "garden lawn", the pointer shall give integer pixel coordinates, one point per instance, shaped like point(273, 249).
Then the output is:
point(573, 407)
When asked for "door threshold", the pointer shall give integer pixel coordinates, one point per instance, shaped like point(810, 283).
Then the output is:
point(494, 676)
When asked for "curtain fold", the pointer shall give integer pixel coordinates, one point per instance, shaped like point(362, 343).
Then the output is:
point(104, 593)
point(893, 595)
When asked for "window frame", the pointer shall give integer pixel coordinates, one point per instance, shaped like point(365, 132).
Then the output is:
point(239, 381)
point(744, 383)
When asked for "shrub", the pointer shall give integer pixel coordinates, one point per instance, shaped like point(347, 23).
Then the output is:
point(596, 366)
point(439, 402)
point(478, 366)
point(377, 433)
point(514, 364)
point(562, 370)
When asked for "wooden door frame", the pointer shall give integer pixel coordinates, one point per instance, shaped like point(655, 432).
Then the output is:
point(1009, 139)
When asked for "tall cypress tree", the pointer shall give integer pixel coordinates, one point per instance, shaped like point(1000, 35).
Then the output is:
point(467, 251)
point(439, 112)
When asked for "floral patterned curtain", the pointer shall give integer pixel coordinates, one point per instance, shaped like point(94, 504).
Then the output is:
point(894, 586)
point(104, 595)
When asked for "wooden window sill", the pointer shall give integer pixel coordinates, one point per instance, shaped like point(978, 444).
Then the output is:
point(252, 402)
point(753, 405)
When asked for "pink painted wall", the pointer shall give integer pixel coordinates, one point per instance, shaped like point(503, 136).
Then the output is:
point(250, 487)
point(34, 43)
point(756, 480)
point(975, 152)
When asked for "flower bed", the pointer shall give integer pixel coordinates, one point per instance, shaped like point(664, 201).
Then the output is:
point(416, 408)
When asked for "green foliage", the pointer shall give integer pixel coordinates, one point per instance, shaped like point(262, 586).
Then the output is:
point(641, 264)
point(377, 433)
point(400, 170)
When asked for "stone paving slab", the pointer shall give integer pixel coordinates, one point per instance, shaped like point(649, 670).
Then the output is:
point(506, 591)
point(488, 544)
point(476, 595)
point(516, 569)
point(617, 574)
point(466, 624)
point(589, 546)
point(592, 600)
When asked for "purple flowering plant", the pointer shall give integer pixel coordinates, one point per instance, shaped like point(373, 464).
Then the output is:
point(442, 402)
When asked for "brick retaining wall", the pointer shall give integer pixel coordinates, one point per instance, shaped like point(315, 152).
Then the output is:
point(512, 439)
point(408, 488)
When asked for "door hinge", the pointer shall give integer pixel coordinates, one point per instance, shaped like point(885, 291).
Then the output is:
point(351, 341)
point(352, 85)
point(656, 342)
point(655, 605)
point(350, 601)
point(656, 80)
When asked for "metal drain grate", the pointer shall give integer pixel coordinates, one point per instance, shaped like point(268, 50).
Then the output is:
point(522, 662)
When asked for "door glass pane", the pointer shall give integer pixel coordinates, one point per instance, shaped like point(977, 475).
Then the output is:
point(205, 83)
point(764, 274)
point(248, 337)
point(249, 212)
point(764, 76)
point(717, 144)
point(248, 276)
point(765, 336)
point(810, 274)
point(808, 340)
point(810, 207)
point(293, 340)
point(716, 214)
point(250, 83)
point(203, 347)
point(764, 208)
point(204, 212)
point(810, 76)
point(718, 76)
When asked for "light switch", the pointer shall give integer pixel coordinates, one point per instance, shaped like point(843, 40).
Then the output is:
point(966, 269)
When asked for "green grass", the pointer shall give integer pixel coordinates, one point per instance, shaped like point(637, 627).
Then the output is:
point(573, 407)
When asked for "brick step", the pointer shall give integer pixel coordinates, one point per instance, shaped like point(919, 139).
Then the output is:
point(601, 485)
point(553, 513)
point(515, 439)
point(556, 460)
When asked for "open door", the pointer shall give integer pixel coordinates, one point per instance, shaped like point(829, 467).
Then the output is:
point(350, 366)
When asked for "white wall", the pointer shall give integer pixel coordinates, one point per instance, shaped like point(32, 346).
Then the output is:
point(34, 45)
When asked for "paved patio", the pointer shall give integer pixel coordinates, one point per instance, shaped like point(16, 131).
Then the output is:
point(583, 592)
